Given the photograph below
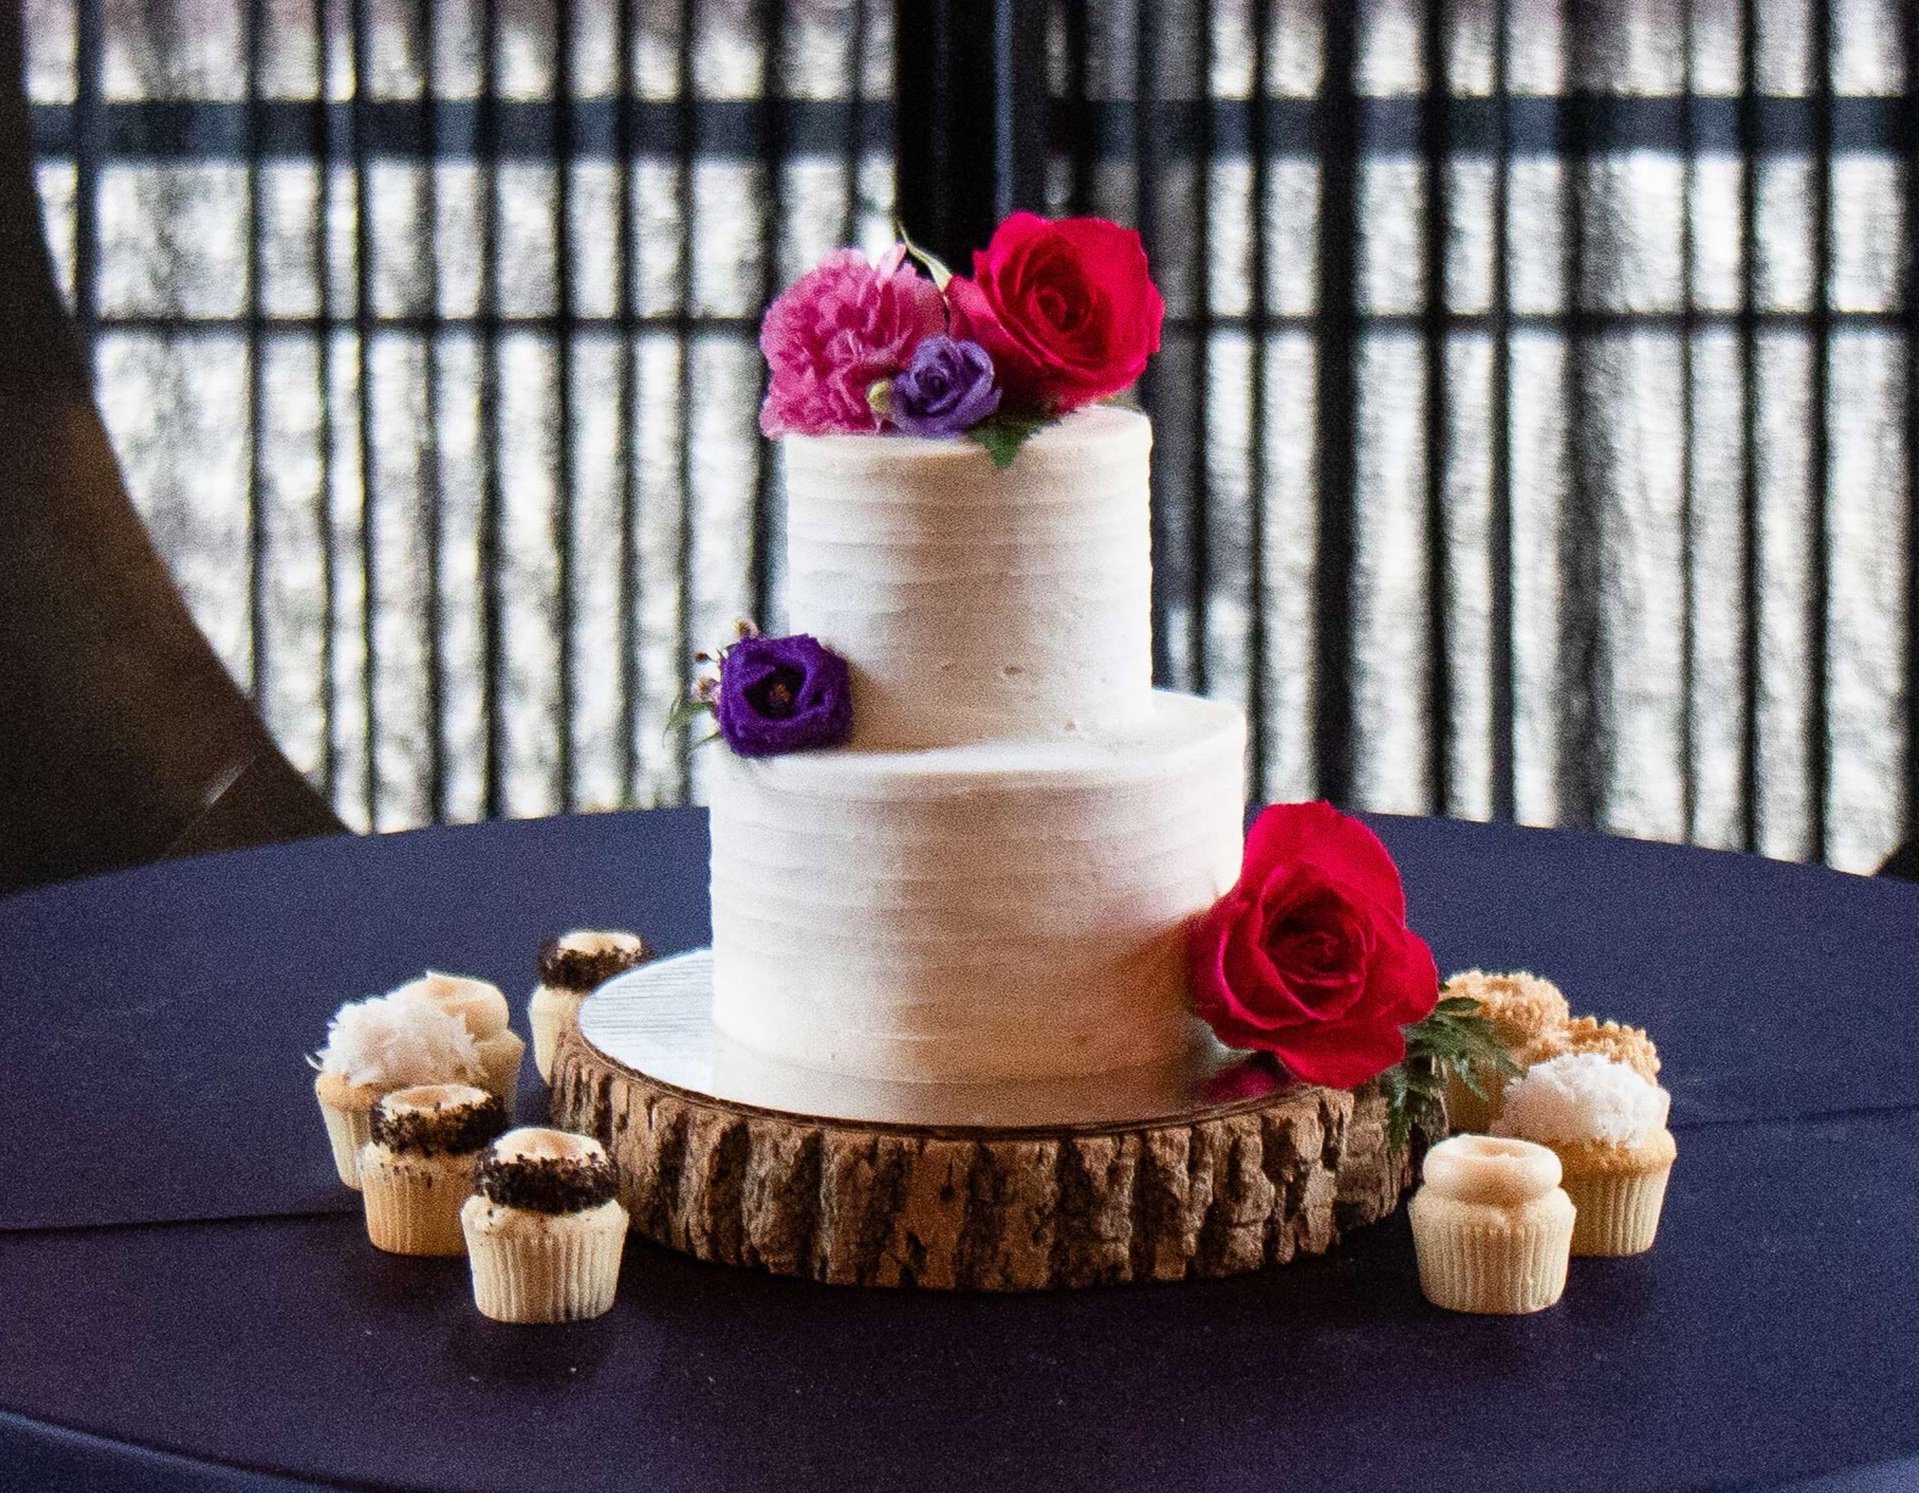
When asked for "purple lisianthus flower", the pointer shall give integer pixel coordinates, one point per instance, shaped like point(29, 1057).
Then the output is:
point(783, 695)
point(947, 389)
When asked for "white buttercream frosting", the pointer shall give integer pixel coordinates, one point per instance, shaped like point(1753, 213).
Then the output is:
point(1582, 1096)
point(972, 601)
point(399, 1040)
point(994, 910)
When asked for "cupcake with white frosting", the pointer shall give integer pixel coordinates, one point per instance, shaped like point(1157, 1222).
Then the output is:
point(376, 1046)
point(544, 1228)
point(482, 1006)
point(1492, 1227)
point(417, 1169)
point(572, 967)
point(1607, 1124)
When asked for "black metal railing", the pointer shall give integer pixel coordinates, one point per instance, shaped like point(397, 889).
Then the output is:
point(1533, 425)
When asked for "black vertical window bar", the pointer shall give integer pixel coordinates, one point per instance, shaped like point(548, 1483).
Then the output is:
point(1688, 337)
point(255, 23)
point(492, 640)
point(772, 142)
point(361, 53)
point(1146, 164)
point(432, 496)
point(1335, 415)
point(626, 452)
point(89, 49)
point(1909, 316)
point(1500, 525)
point(1819, 456)
point(563, 495)
point(855, 119)
point(1082, 139)
point(1436, 121)
point(1749, 152)
point(688, 145)
point(1583, 727)
point(323, 353)
point(1199, 497)
point(1259, 334)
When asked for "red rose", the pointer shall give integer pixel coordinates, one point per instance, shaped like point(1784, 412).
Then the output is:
point(1067, 309)
point(1309, 957)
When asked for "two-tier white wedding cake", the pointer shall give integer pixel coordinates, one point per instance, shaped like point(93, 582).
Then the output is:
point(992, 879)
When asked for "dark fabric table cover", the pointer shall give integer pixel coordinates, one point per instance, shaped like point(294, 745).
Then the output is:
point(187, 1299)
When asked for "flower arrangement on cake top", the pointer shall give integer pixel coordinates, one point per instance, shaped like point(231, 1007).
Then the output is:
point(1056, 314)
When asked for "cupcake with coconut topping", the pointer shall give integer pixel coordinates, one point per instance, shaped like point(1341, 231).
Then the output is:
point(482, 1006)
point(376, 1046)
point(572, 967)
point(544, 1228)
point(1528, 1016)
point(1607, 1124)
point(417, 1168)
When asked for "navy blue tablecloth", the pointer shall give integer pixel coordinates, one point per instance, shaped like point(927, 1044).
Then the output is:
point(188, 1299)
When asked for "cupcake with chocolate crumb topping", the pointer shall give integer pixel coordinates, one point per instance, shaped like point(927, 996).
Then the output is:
point(482, 1006)
point(416, 1171)
point(544, 1228)
point(572, 967)
point(376, 1046)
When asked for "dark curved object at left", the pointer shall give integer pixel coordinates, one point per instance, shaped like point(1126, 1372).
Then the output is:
point(122, 737)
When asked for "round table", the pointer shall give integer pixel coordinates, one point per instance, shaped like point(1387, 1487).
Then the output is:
point(188, 1299)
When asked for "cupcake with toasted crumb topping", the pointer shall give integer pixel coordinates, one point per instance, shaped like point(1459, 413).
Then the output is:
point(572, 967)
point(544, 1228)
point(1528, 1015)
point(417, 1169)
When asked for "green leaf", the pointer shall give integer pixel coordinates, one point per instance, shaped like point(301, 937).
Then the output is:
point(1458, 1005)
point(1455, 1041)
point(879, 397)
point(685, 711)
point(933, 265)
point(1002, 436)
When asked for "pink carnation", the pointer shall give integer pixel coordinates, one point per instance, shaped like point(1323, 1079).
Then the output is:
point(845, 325)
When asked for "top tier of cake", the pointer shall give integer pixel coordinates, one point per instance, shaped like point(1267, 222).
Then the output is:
point(973, 602)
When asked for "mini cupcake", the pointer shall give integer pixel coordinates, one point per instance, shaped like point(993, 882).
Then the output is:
point(544, 1228)
point(1625, 1044)
point(1527, 1016)
point(572, 967)
point(482, 1006)
point(1491, 1226)
point(378, 1045)
point(1607, 1124)
point(417, 1169)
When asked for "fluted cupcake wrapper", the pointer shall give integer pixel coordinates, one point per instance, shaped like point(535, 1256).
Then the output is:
point(347, 1130)
point(1618, 1211)
point(500, 1056)
point(568, 1275)
point(550, 1012)
point(1468, 1113)
point(1506, 1268)
point(414, 1209)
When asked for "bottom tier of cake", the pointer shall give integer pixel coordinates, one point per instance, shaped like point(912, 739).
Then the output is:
point(1003, 909)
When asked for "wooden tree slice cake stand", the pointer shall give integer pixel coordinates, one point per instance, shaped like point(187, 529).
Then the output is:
point(1206, 1169)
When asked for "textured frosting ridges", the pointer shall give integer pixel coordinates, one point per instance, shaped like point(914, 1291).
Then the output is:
point(996, 910)
point(971, 601)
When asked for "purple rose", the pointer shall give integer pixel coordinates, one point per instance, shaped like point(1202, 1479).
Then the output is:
point(948, 388)
point(783, 695)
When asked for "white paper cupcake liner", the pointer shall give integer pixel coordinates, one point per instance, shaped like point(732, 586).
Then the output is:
point(413, 1205)
point(566, 1275)
point(550, 1012)
point(1618, 1211)
point(500, 1056)
point(347, 1130)
point(1503, 1267)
